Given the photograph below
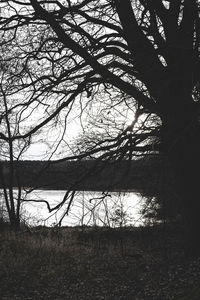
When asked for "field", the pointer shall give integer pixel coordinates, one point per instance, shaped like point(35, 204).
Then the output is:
point(97, 263)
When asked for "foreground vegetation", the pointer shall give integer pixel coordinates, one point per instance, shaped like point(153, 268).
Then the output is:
point(97, 263)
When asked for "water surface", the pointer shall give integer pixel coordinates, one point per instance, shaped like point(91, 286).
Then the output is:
point(87, 208)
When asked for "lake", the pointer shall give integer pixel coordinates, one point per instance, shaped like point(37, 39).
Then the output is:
point(87, 208)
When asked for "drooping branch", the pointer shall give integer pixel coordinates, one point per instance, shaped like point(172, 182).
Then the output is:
point(90, 60)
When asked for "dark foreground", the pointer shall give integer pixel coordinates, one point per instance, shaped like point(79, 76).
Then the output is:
point(93, 264)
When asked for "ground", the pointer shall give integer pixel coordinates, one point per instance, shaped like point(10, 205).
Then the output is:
point(97, 264)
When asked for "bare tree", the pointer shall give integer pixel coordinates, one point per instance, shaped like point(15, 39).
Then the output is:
point(141, 53)
point(11, 151)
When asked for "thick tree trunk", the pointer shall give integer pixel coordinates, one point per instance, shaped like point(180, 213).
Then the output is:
point(181, 143)
point(186, 169)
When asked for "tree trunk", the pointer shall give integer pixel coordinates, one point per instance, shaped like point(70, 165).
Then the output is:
point(181, 143)
point(14, 222)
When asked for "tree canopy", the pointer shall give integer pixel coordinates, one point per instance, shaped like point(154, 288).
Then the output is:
point(75, 54)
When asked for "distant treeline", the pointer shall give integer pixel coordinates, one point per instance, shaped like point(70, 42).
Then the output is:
point(138, 175)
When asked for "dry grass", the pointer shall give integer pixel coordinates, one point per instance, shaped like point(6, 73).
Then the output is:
point(95, 264)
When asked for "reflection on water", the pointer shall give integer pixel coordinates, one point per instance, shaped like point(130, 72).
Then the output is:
point(87, 208)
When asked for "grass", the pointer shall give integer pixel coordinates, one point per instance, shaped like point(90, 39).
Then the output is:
point(96, 263)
